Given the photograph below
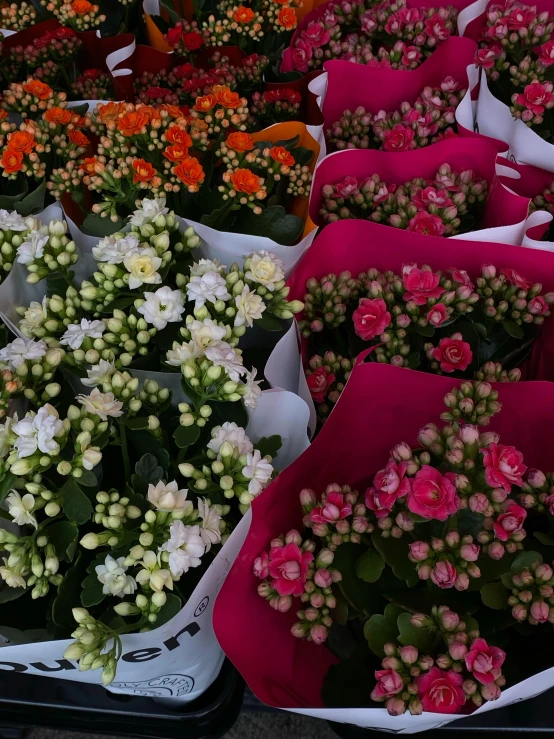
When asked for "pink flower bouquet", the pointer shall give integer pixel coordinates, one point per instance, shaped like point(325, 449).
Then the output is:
point(396, 110)
point(415, 573)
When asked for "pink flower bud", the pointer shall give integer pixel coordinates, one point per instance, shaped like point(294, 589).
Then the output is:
point(452, 539)
point(419, 551)
point(470, 552)
point(469, 687)
point(496, 550)
point(404, 521)
point(457, 650)
point(539, 611)
point(402, 452)
point(429, 435)
point(469, 434)
point(325, 558)
point(443, 661)
point(525, 596)
point(293, 537)
point(490, 692)
point(499, 495)
point(261, 566)
point(317, 600)
point(389, 649)
point(276, 543)
point(424, 572)
point(437, 545)
point(535, 478)
point(488, 271)
point(265, 589)
point(318, 633)
point(543, 573)
point(299, 630)
point(308, 499)
point(281, 603)
point(323, 578)
point(395, 706)
point(519, 612)
point(425, 662)
point(408, 655)
point(311, 614)
point(449, 619)
point(462, 581)
point(391, 663)
point(479, 503)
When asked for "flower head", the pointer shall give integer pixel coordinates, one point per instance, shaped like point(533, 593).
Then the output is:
point(162, 307)
point(143, 265)
point(32, 248)
point(100, 404)
point(38, 431)
point(21, 509)
point(265, 268)
point(149, 210)
point(258, 470)
point(250, 307)
point(233, 434)
point(114, 250)
point(210, 531)
point(210, 287)
point(440, 691)
point(113, 578)
point(19, 350)
point(98, 373)
point(185, 547)
point(76, 333)
point(433, 495)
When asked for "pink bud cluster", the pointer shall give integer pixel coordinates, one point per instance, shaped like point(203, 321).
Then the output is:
point(532, 597)
point(290, 570)
point(274, 106)
point(537, 491)
point(448, 562)
point(545, 200)
point(441, 206)
point(506, 294)
point(337, 517)
point(428, 120)
point(326, 377)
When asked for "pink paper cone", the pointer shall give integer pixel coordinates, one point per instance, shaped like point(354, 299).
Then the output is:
point(503, 207)
point(357, 246)
point(378, 88)
point(380, 407)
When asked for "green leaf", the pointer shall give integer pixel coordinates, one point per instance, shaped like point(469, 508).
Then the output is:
point(395, 553)
point(137, 424)
point(494, 595)
point(88, 479)
point(512, 329)
point(10, 201)
point(408, 634)
point(76, 505)
point(7, 594)
point(232, 412)
point(545, 539)
point(524, 560)
point(427, 331)
point(218, 218)
point(33, 202)
point(147, 467)
point(345, 684)
point(269, 323)
point(369, 566)
point(303, 155)
point(91, 594)
point(6, 485)
point(63, 535)
point(381, 629)
point(78, 109)
point(171, 608)
point(481, 330)
point(95, 225)
point(273, 222)
point(173, 16)
point(358, 593)
point(186, 435)
point(29, 636)
point(65, 600)
point(288, 144)
point(269, 445)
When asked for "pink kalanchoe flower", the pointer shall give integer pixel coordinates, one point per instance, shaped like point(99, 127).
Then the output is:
point(288, 566)
point(546, 53)
point(389, 683)
point(420, 284)
point(261, 566)
point(369, 24)
point(433, 495)
point(435, 27)
point(371, 318)
point(503, 466)
point(538, 306)
point(514, 278)
point(484, 661)
point(347, 188)
point(437, 315)
point(431, 196)
point(440, 691)
point(399, 138)
point(316, 34)
point(301, 55)
point(520, 18)
point(536, 97)
point(461, 276)
point(453, 354)
point(444, 574)
point(332, 510)
point(426, 224)
point(419, 551)
point(509, 522)
point(319, 383)
point(390, 484)
point(411, 55)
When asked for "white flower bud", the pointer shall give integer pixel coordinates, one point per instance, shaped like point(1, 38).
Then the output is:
point(89, 541)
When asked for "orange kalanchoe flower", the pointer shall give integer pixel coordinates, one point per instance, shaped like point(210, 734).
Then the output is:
point(149, 112)
point(173, 110)
point(38, 89)
point(78, 138)
point(281, 155)
point(22, 141)
point(287, 18)
point(204, 103)
point(132, 124)
point(244, 180)
point(82, 7)
point(240, 142)
point(12, 160)
point(110, 111)
point(57, 115)
point(176, 152)
point(91, 165)
point(243, 15)
point(190, 172)
point(178, 136)
point(144, 171)
point(225, 96)
point(3, 114)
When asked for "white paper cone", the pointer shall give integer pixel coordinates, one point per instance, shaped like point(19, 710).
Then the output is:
point(469, 14)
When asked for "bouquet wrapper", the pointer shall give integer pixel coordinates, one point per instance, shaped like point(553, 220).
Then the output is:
point(286, 672)
point(231, 247)
point(359, 245)
point(378, 88)
point(503, 207)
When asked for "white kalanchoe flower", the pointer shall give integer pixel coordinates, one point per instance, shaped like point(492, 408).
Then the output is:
point(223, 355)
point(76, 333)
point(206, 333)
point(210, 532)
point(203, 266)
point(21, 509)
point(38, 431)
point(253, 391)
point(266, 269)
point(32, 248)
point(258, 470)
point(153, 575)
point(163, 307)
point(91, 457)
point(210, 287)
point(148, 211)
point(101, 404)
point(232, 433)
point(180, 353)
point(113, 251)
point(99, 373)
point(143, 265)
point(11, 576)
point(12, 221)
point(7, 437)
point(34, 316)
point(19, 350)
point(250, 307)
point(167, 496)
point(185, 547)
point(112, 576)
